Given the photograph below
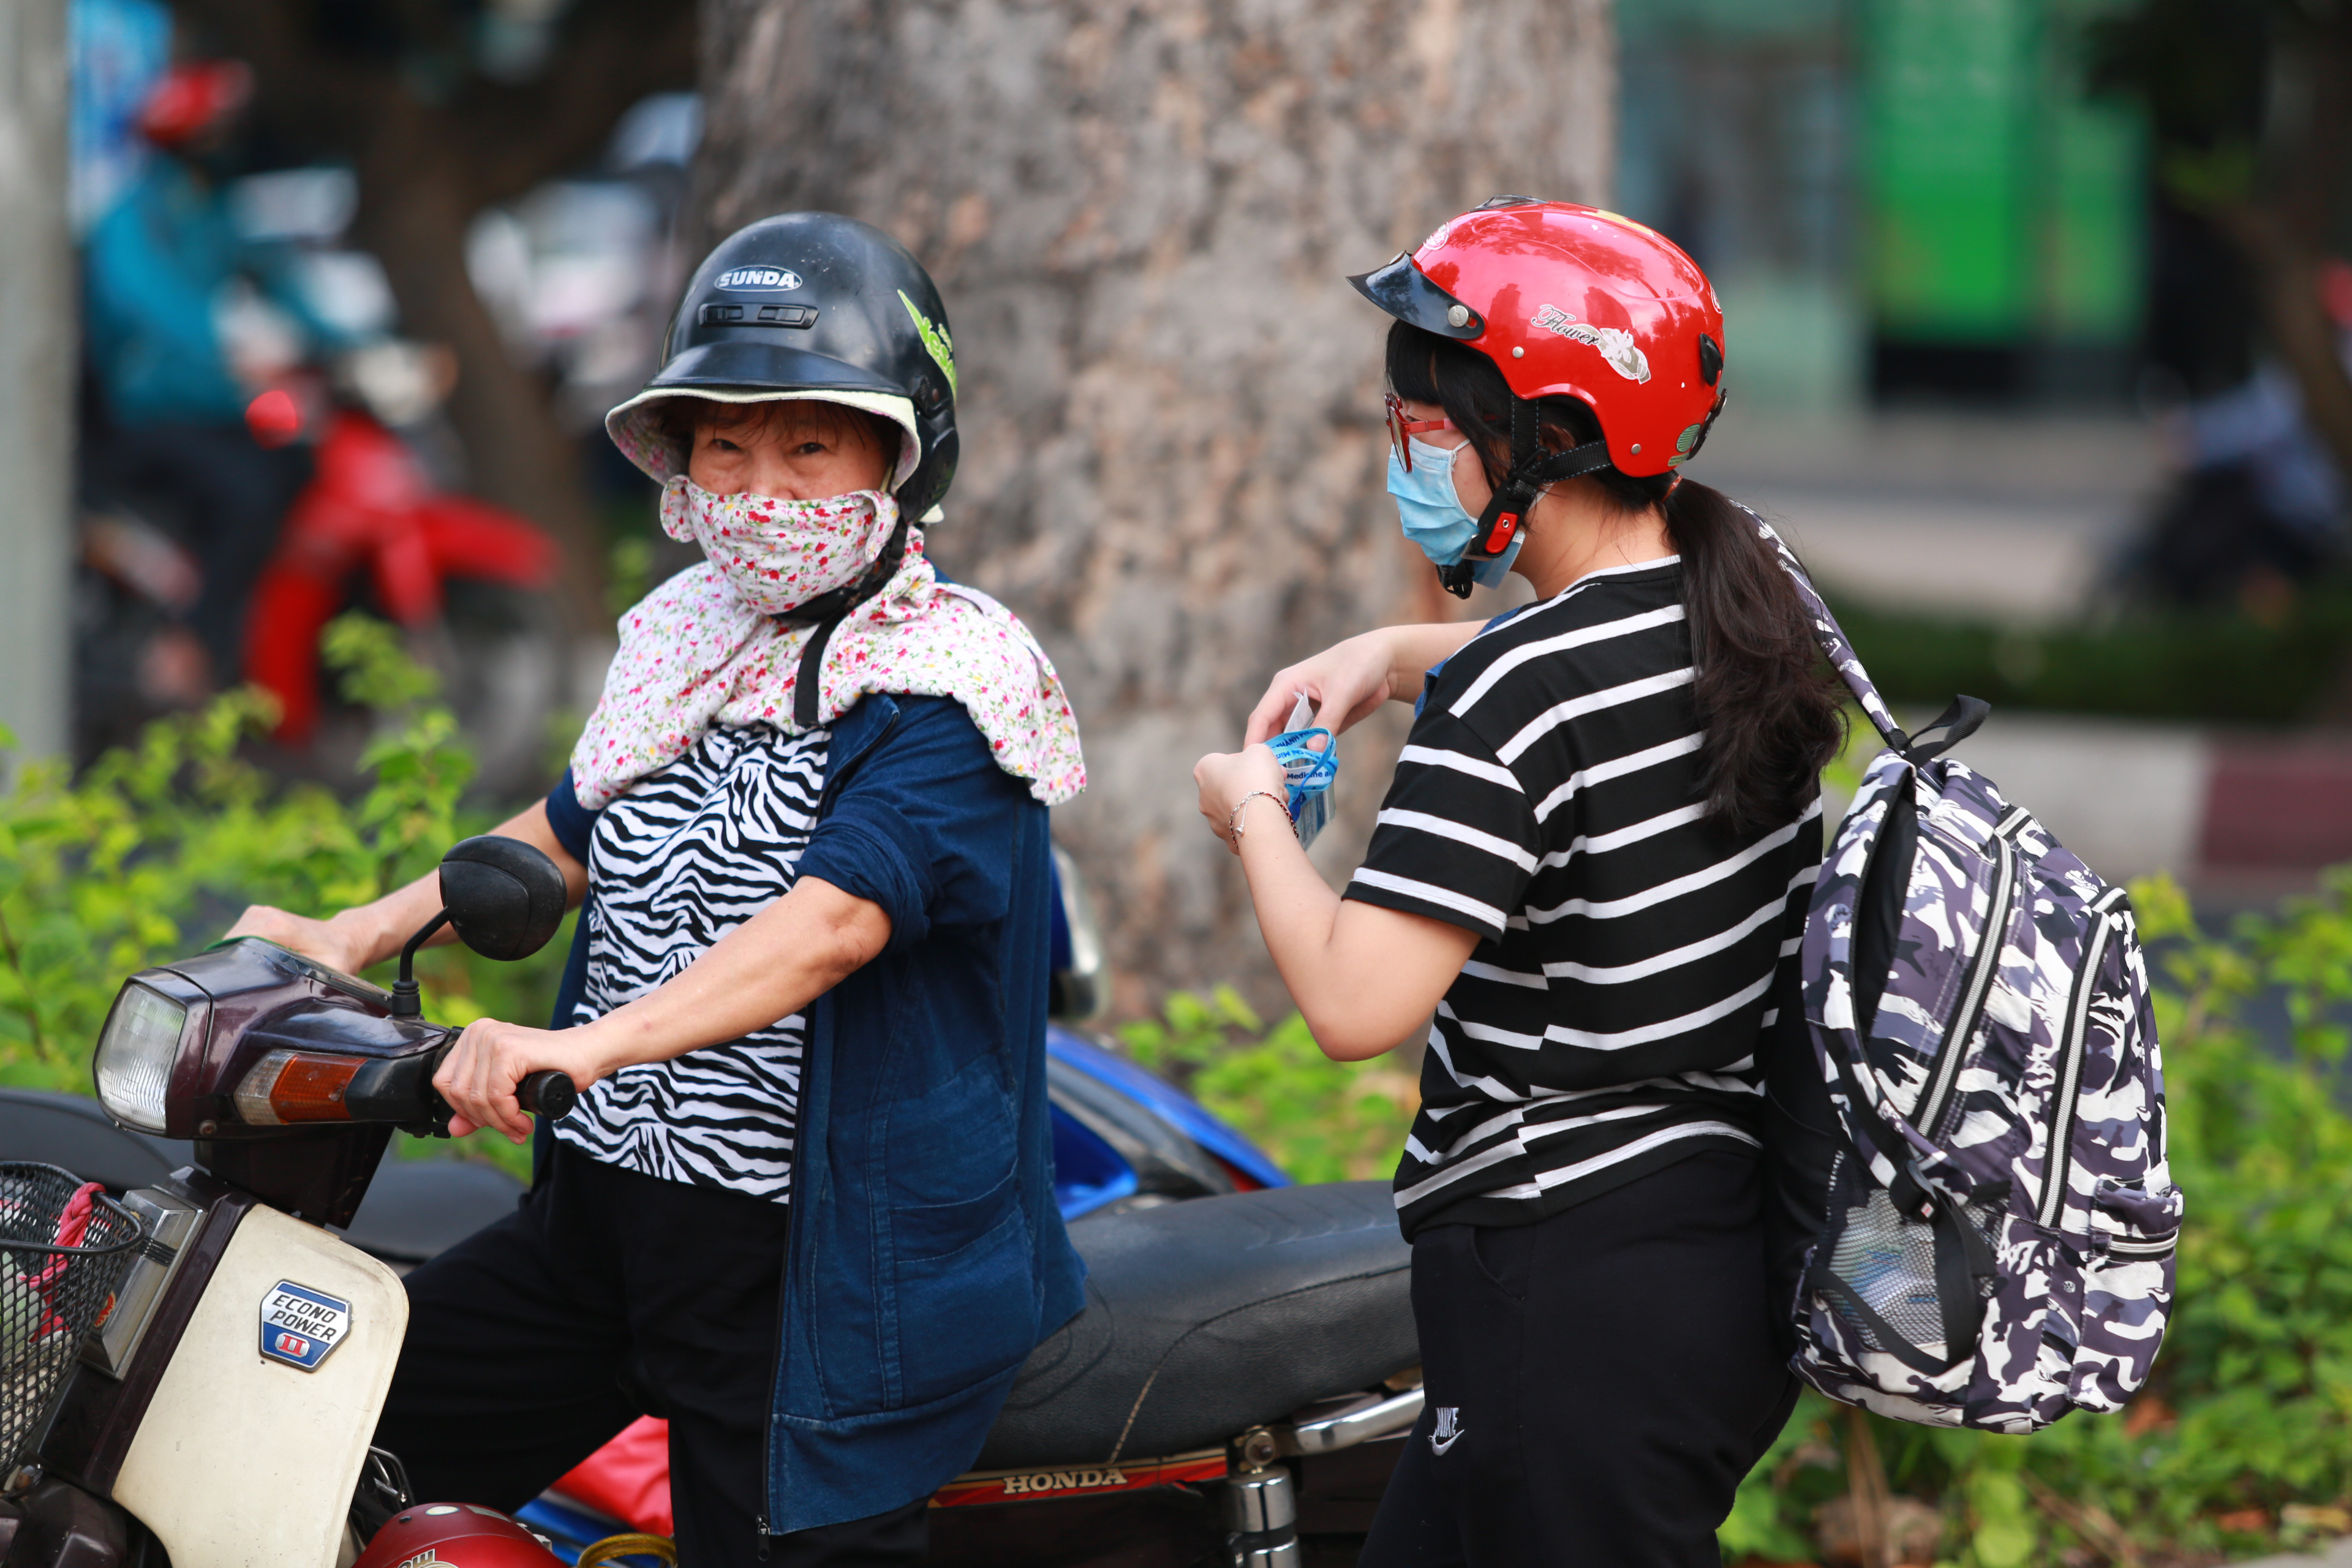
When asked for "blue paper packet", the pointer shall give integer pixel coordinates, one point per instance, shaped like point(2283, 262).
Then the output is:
point(1308, 770)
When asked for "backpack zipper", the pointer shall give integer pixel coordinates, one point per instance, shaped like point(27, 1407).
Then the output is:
point(1985, 965)
point(2070, 1064)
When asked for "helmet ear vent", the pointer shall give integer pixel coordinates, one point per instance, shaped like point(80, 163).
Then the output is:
point(1710, 359)
point(928, 394)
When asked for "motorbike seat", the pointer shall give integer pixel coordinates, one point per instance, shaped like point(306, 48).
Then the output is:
point(1208, 1317)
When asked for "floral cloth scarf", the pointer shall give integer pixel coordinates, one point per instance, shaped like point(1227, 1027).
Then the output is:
point(705, 649)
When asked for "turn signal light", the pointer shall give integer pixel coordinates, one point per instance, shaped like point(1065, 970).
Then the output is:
point(296, 1086)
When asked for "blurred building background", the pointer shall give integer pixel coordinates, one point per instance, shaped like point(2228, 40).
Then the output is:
point(1995, 284)
point(2035, 317)
point(1898, 199)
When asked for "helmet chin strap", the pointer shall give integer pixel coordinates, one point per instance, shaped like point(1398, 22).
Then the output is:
point(1532, 470)
point(828, 610)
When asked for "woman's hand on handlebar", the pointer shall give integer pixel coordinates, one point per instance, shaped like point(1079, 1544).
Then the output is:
point(337, 943)
point(479, 1076)
point(1348, 680)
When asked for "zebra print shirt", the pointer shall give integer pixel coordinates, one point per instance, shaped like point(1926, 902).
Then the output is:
point(1609, 1019)
point(693, 850)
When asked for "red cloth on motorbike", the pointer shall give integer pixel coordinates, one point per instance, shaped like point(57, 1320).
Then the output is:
point(73, 1224)
point(455, 1535)
point(628, 1477)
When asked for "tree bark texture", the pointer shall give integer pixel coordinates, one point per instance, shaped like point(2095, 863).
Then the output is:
point(431, 151)
point(1142, 214)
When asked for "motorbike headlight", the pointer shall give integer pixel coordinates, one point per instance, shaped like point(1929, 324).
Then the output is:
point(135, 1053)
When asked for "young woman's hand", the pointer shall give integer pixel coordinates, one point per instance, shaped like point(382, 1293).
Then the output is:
point(479, 1076)
point(1228, 778)
point(1350, 680)
point(1347, 683)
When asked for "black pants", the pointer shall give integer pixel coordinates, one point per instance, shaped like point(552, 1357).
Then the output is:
point(1598, 1382)
point(606, 1296)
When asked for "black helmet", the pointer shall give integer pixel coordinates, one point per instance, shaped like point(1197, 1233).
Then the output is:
point(812, 305)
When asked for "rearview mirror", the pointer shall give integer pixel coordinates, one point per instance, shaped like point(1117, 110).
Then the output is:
point(504, 897)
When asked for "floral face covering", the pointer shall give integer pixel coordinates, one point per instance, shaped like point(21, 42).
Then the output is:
point(705, 649)
point(779, 554)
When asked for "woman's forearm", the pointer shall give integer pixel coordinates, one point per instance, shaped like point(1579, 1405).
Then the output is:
point(1364, 978)
point(373, 932)
point(1414, 649)
point(769, 967)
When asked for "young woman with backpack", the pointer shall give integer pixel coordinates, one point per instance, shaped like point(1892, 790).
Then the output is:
point(1592, 864)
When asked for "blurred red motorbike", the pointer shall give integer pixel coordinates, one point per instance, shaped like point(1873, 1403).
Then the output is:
point(371, 507)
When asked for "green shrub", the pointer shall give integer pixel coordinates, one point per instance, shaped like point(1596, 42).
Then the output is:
point(153, 850)
point(1321, 1122)
point(2243, 1440)
point(2207, 665)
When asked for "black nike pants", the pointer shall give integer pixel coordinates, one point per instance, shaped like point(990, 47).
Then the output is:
point(1598, 1382)
point(606, 1296)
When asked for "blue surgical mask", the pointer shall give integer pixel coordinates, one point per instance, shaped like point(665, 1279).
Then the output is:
point(1431, 511)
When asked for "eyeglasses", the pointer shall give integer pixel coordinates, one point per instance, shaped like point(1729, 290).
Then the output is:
point(1400, 427)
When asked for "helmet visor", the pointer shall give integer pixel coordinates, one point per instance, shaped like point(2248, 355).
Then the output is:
point(1404, 292)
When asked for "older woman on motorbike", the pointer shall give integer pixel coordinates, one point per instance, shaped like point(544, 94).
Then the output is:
point(804, 1209)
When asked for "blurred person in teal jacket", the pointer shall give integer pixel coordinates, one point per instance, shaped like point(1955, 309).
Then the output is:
point(158, 264)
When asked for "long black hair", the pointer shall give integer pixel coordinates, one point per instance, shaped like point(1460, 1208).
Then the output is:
point(1775, 713)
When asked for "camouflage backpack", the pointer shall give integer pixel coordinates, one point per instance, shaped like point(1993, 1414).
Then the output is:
point(1996, 1248)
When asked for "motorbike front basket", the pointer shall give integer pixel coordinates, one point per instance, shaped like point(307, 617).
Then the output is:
point(52, 1294)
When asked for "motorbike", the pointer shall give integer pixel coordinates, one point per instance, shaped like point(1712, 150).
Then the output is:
point(371, 508)
point(191, 1372)
point(464, 580)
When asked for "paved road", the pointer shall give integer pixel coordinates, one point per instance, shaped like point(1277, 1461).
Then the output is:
point(2014, 520)
point(2009, 517)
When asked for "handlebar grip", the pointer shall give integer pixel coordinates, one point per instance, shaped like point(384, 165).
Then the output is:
point(548, 1093)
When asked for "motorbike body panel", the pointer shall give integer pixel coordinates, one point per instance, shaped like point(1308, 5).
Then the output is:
point(59, 1524)
point(245, 1462)
point(1176, 1144)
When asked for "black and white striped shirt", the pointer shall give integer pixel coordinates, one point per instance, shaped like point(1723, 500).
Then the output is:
point(692, 852)
point(1609, 1022)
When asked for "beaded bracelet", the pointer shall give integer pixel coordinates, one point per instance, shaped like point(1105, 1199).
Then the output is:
point(1234, 824)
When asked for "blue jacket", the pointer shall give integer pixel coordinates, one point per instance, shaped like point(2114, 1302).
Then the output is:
point(927, 1257)
point(152, 269)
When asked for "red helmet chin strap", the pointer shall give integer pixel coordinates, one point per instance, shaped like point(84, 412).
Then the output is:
point(1532, 469)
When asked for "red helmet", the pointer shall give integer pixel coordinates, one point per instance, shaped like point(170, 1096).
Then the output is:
point(1568, 299)
point(455, 1535)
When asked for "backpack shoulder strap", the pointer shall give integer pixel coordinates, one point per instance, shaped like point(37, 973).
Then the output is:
point(1832, 638)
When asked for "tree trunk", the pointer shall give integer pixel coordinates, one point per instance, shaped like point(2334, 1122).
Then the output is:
point(415, 204)
point(1141, 216)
